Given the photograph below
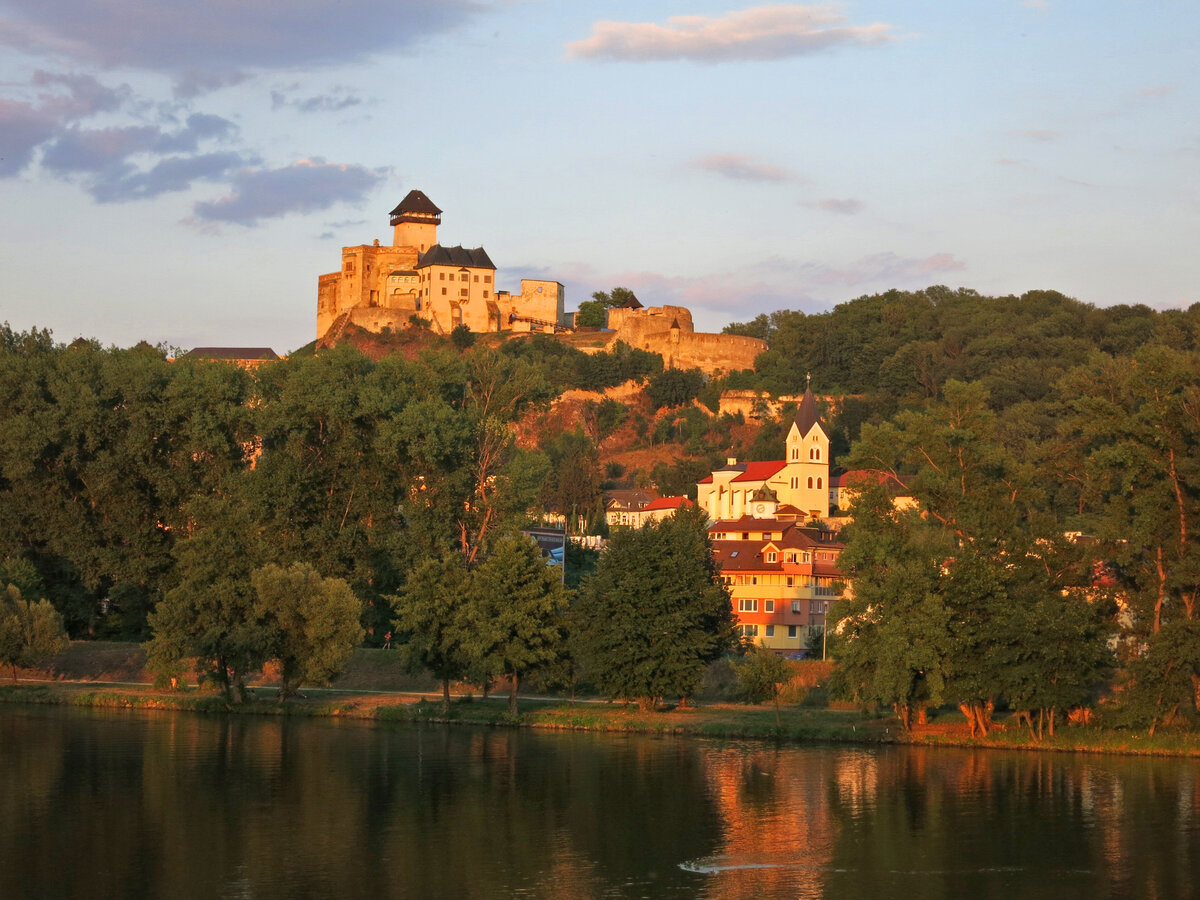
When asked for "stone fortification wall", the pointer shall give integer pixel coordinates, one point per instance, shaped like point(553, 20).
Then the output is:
point(639, 323)
point(668, 330)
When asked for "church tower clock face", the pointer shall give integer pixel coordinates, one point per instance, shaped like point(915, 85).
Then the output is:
point(760, 508)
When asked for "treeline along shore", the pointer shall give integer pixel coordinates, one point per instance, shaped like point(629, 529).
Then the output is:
point(231, 518)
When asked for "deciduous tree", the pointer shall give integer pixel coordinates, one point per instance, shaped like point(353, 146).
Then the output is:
point(654, 613)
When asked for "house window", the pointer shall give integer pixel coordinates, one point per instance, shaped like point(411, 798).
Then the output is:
point(796, 607)
point(768, 606)
point(770, 631)
point(771, 557)
point(749, 631)
point(791, 631)
point(746, 605)
point(789, 581)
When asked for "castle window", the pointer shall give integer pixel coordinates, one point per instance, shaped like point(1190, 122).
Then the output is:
point(809, 480)
point(462, 277)
point(818, 482)
point(462, 292)
point(476, 278)
point(485, 295)
point(487, 279)
point(441, 276)
point(444, 294)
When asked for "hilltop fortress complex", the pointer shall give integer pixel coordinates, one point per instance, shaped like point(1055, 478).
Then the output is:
point(381, 287)
point(384, 287)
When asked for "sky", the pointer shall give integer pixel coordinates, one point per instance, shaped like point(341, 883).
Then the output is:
point(182, 172)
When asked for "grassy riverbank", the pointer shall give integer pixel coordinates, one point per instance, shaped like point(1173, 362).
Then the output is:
point(376, 687)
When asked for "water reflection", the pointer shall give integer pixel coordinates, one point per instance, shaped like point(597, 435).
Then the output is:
point(139, 804)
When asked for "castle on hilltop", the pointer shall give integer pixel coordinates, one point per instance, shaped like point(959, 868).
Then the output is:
point(381, 287)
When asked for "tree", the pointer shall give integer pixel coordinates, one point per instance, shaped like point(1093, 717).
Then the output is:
point(513, 623)
point(654, 613)
point(952, 601)
point(592, 313)
point(674, 387)
point(29, 632)
point(462, 337)
point(761, 676)
point(1136, 425)
point(891, 637)
point(430, 613)
point(209, 615)
point(313, 623)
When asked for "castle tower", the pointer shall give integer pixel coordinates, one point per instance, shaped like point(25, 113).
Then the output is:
point(415, 221)
point(806, 472)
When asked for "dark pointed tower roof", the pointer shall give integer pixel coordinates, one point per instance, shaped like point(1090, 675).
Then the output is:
point(415, 207)
point(765, 494)
point(807, 414)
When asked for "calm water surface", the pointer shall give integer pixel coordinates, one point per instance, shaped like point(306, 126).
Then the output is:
point(133, 804)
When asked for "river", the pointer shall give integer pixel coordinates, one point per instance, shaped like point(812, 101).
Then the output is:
point(114, 803)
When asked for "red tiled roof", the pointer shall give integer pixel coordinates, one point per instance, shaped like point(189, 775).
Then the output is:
point(667, 503)
point(761, 471)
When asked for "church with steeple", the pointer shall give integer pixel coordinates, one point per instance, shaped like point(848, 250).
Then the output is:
point(798, 484)
point(417, 278)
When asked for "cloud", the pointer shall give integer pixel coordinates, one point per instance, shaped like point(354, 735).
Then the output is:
point(304, 187)
point(1155, 91)
point(175, 173)
point(335, 101)
point(757, 33)
point(847, 206)
point(1036, 134)
point(742, 168)
point(118, 164)
point(221, 36)
point(193, 83)
point(25, 128)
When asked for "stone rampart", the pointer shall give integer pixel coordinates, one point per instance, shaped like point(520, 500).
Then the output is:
point(668, 331)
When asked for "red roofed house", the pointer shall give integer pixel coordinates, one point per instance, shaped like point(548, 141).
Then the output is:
point(634, 511)
point(800, 480)
point(781, 575)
